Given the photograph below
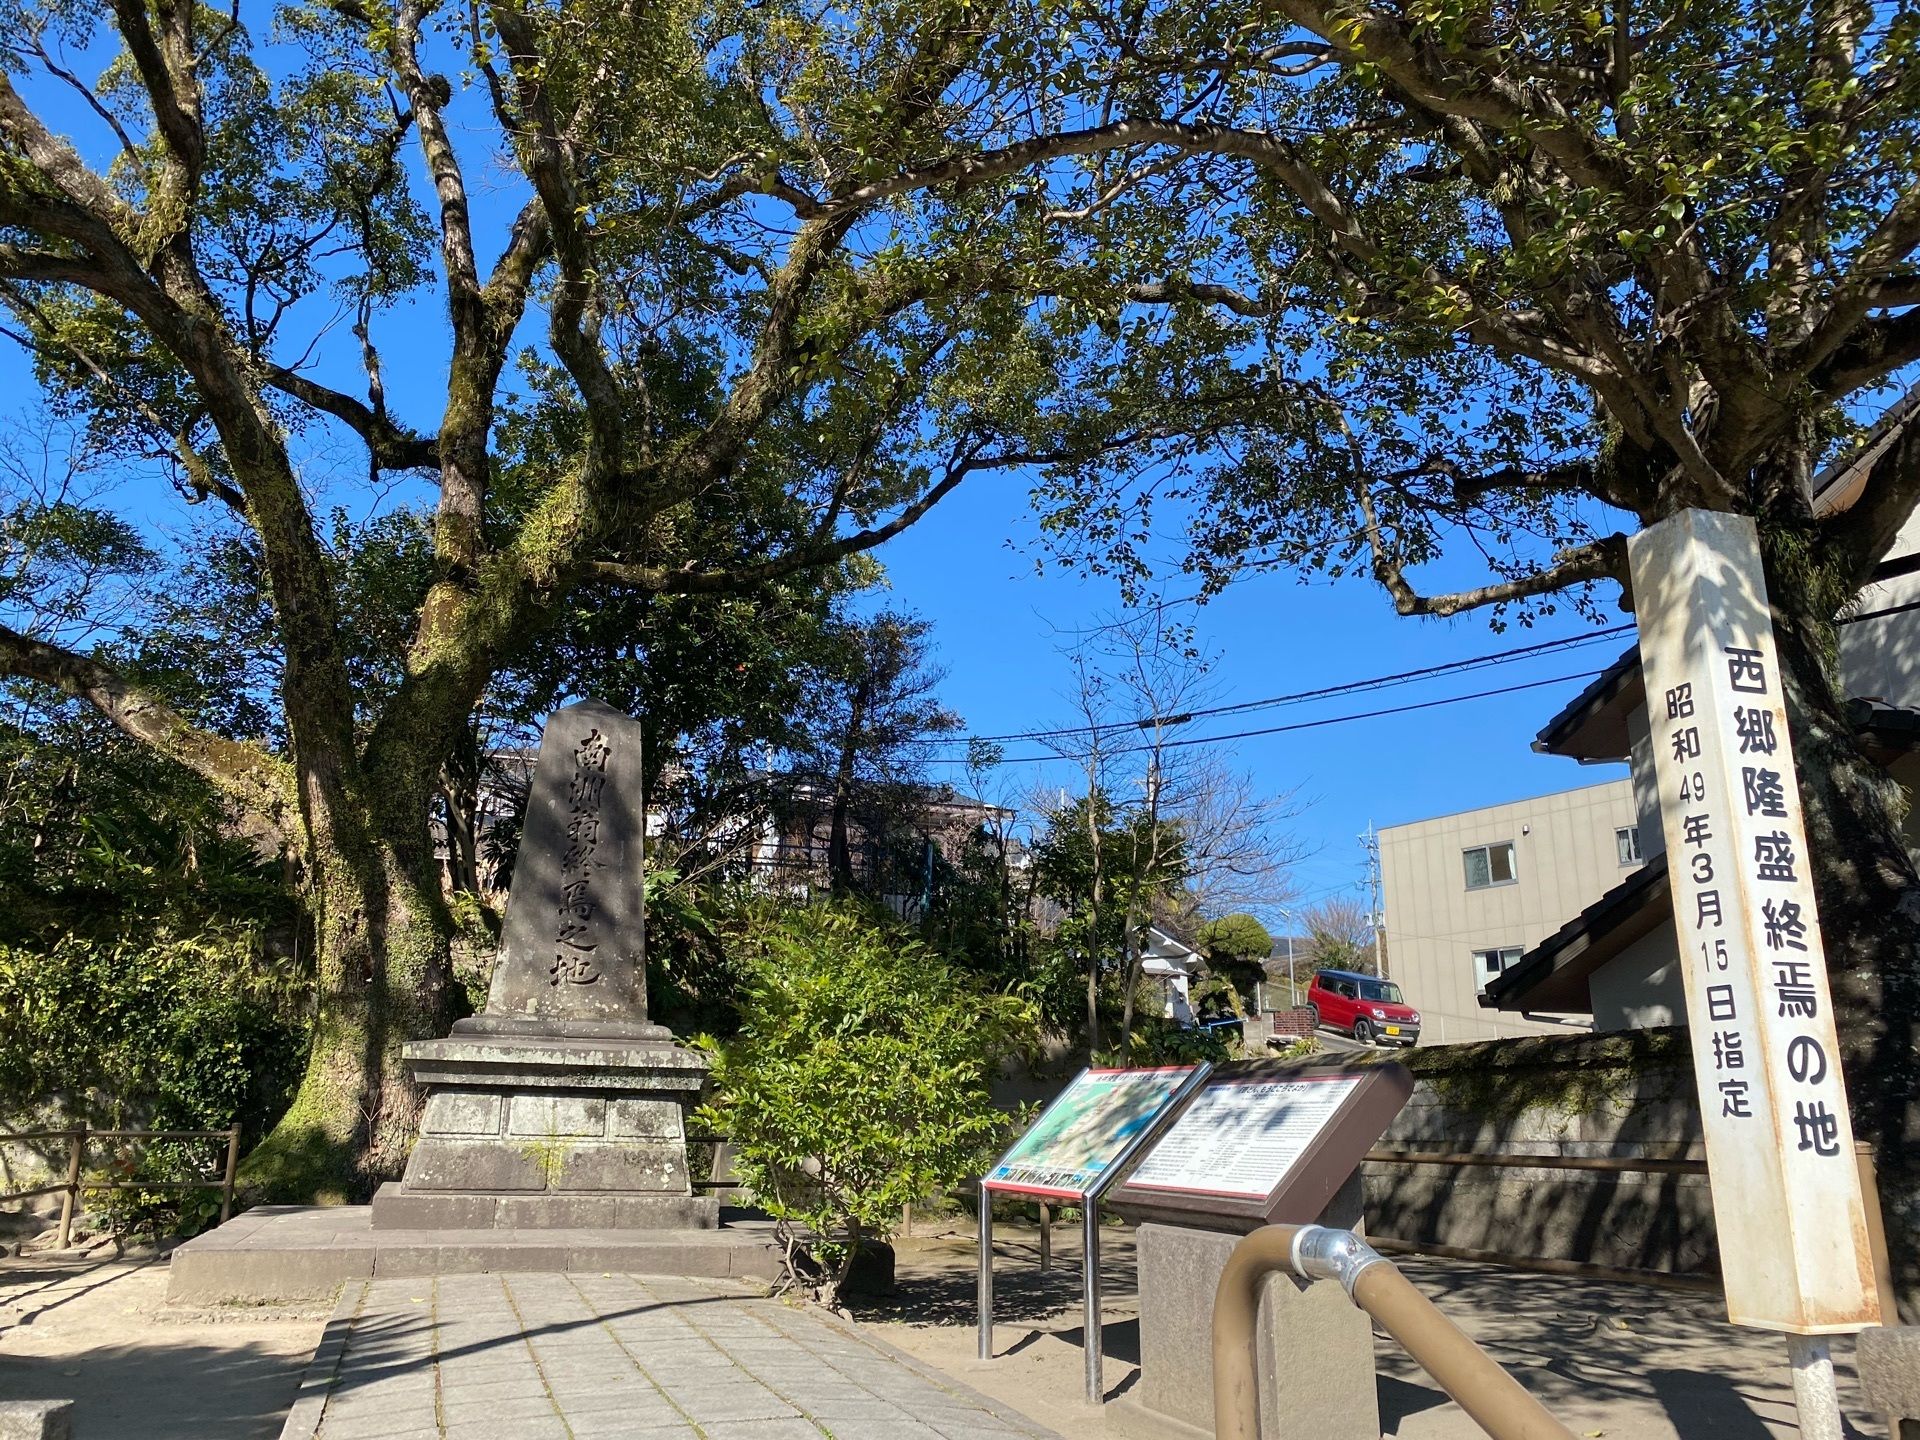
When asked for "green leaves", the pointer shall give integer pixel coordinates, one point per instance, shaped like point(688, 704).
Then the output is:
point(859, 1080)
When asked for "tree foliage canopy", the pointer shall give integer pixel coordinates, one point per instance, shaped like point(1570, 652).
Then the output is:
point(1238, 936)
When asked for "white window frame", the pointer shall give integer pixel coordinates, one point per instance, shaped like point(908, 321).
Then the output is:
point(1513, 864)
point(1503, 958)
point(1629, 853)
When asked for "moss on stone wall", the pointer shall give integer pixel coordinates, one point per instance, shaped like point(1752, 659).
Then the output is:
point(1497, 1080)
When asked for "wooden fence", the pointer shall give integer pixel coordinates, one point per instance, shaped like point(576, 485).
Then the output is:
point(77, 1141)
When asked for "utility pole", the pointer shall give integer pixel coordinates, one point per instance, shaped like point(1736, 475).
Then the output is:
point(1370, 842)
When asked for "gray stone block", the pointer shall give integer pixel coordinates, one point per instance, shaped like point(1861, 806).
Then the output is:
point(635, 1118)
point(1315, 1347)
point(36, 1420)
point(558, 1212)
point(461, 1112)
point(445, 1164)
point(667, 1212)
point(395, 1208)
point(246, 1276)
point(477, 1258)
point(666, 1257)
point(539, 1116)
point(642, 1169)
point(1889, 1364)
point(573, 946)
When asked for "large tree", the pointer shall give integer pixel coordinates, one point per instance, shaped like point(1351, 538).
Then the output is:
point(1492, 284)
point(698, 302)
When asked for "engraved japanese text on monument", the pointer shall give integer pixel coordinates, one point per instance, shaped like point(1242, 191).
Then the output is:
point(572, 950)
point(573, 959)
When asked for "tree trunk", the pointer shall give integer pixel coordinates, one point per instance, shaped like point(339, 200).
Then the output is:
point(839, 848)
point(1869, 899)
point(382, 978)
point(459, 803)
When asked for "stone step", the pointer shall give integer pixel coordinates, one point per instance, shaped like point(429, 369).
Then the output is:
point(274, 1254)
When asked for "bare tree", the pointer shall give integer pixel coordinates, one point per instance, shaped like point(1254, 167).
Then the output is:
point(1340, 935)
point(1192, 835)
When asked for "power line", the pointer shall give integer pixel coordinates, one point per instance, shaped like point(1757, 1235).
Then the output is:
point(1305, 724)
point(1327, 692)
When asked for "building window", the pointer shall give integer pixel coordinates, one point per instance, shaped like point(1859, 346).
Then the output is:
point(1490, 865)
point(1489, 963)
point(1627, 841)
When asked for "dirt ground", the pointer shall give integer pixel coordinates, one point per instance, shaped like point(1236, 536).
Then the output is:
point(1624, 1362)
point(98, 1332)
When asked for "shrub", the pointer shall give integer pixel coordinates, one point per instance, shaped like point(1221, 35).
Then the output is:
point(857, 1084)
point(170, 1031)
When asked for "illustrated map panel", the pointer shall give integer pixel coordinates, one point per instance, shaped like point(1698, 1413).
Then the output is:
point(1074, 1143)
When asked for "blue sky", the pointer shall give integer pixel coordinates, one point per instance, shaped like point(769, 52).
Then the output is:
point(969, 567)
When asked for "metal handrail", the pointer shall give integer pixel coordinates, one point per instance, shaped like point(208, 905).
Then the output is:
point(1497, 1402)
point(77, 1139)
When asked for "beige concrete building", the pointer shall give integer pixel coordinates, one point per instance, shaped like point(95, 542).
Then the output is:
point(1467, 895)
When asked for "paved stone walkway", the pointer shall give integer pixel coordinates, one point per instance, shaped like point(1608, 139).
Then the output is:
point(591, 1357)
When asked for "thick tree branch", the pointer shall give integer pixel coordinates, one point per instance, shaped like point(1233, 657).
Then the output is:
point(812, 554)
point(548, 164)
point(426, 97)
point(166, 65)
point(1875, 348)
point(1600, 559)
point(248, 774)
point(392, 446)
point(48, 266)
point(1879, 276)
point(60, 165)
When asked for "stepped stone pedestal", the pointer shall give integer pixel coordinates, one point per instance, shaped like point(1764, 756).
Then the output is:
point(549, 1132)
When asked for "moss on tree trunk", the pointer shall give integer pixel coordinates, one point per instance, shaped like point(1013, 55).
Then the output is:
point(383, 977)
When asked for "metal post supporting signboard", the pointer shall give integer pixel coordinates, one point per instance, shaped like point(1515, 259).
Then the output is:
point(986, 1273)
point(1089, 1201)
point(1090, 1299)
point(1090, 1220)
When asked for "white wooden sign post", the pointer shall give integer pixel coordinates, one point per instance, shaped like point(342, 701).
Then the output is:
point(1795, 1247)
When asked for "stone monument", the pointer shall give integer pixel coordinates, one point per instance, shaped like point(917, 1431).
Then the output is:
point(560, 1106)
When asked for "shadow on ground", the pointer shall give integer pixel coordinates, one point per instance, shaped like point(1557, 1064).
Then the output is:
point(97, 1333)
point(937, 1279)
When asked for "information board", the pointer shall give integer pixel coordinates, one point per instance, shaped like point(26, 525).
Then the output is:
point(1264, 1142)
point(1070, 1149)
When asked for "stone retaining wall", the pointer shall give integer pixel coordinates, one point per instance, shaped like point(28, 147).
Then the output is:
point(1628, 1094)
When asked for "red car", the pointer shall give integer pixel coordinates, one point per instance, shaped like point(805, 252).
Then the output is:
point(1373, 1011)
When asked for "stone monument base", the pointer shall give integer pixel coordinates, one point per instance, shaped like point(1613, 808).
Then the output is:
point(528, 1129)
point(283, 1255)
point(1315, 1345)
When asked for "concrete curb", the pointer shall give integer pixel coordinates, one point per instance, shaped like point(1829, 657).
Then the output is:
point(316, 1382)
